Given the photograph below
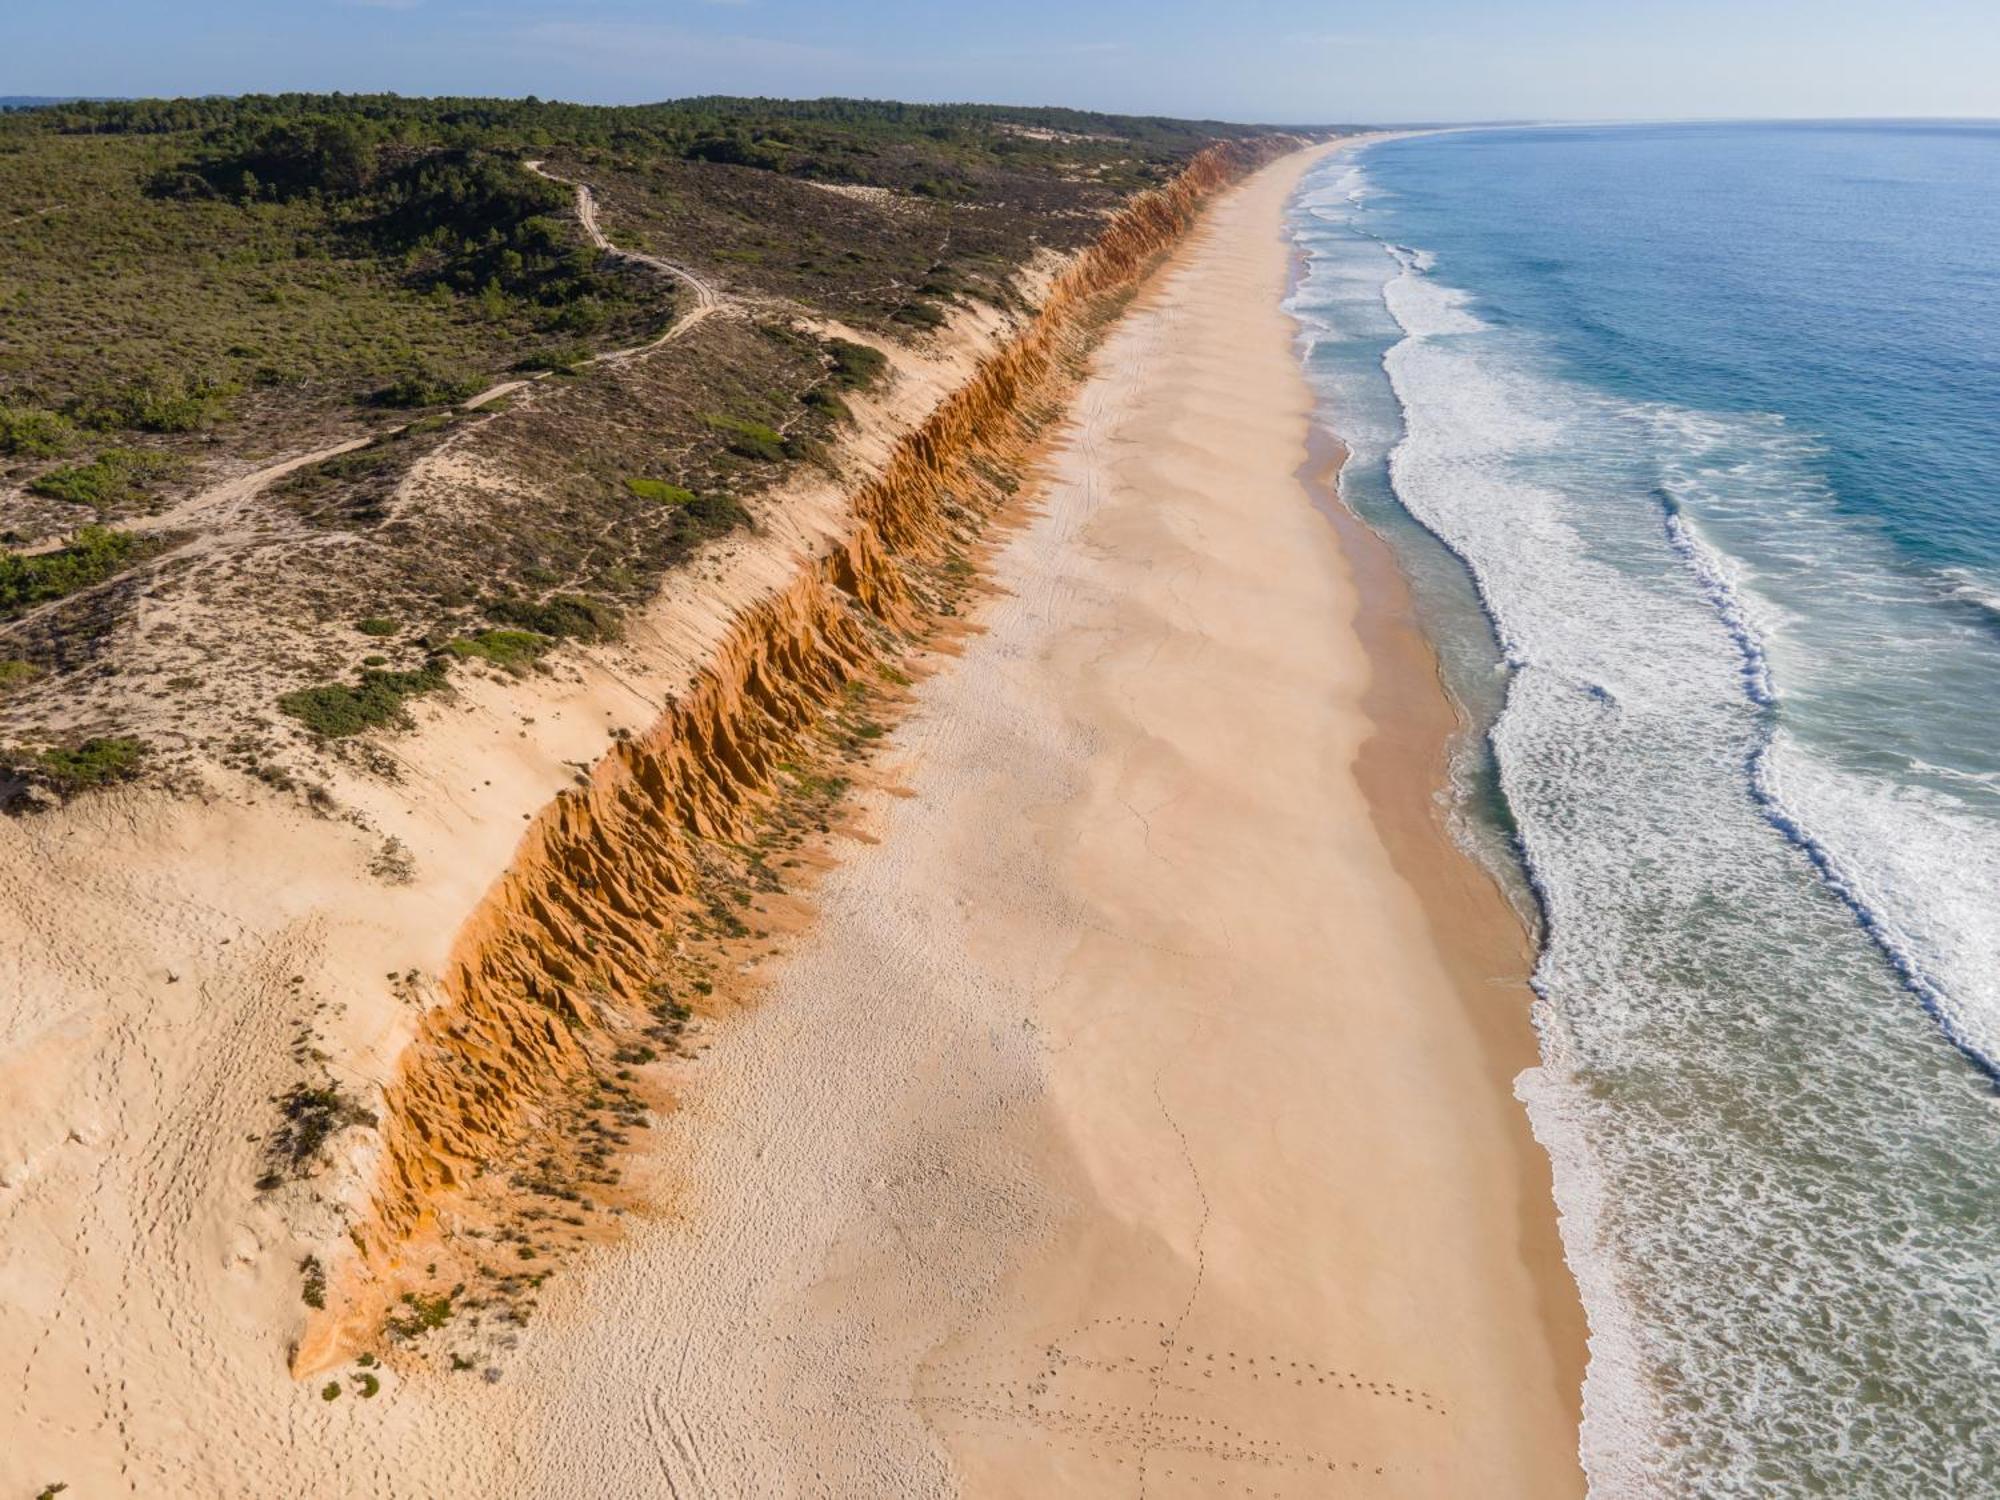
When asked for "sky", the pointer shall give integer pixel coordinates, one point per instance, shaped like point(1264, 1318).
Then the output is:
point(1278, 61)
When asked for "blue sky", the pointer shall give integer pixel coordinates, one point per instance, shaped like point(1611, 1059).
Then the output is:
point(1281, 60)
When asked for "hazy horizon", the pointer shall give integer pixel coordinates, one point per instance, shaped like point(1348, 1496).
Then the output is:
point(1278, 61)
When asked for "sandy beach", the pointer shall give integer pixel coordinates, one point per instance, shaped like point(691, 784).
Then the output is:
point(1132, 1115)
point(1125, 1125)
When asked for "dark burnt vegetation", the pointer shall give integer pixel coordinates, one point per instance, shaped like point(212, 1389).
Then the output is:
point(309, 1117)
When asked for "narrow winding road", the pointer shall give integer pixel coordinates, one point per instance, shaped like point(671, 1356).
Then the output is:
point(707, 300)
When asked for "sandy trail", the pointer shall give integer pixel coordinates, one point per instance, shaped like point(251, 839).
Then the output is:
point(53, 208)
point(1122, 1128)
point(707, 299)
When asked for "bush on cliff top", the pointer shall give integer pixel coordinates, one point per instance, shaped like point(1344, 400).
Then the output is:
point(856, 367)
point(335, 710)
point(749, 439)
point(512, 649)
point(565, 616)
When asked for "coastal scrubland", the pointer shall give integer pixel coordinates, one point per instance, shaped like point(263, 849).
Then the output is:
point(251, 347)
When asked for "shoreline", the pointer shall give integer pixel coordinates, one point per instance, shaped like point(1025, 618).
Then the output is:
point(1486, 942)
point(1119, 1119)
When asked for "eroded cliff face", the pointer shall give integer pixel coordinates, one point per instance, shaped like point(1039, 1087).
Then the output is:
point(568, 946)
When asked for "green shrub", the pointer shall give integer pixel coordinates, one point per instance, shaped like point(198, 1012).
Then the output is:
point(713, 514)
point(113, 478)
point(335, 709)
point(27, 433)
point(512, 649)
point(330, 1391)
point(749, 439)
point(799, 445)
point(368, 1385)
point(565, 616)
point(375, 625)
point(159, 401)
point(17, 673)
point(66, 771)
point(856, 367)
point(659, 491)
point(423, 1314)
point(920, 314)
point(425, 387)
point(312, 1117)
point(312, 1279)
point(95, 554)
point(562, 359)
point(820, 399)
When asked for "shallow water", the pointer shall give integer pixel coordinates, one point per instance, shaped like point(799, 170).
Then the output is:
point(1690, 440)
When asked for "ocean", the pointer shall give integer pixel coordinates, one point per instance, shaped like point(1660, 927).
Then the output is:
point(1689, 439)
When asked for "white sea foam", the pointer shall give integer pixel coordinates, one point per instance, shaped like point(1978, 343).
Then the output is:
point(1917, 858)
point(1719, 576)
point(1743, 1110)
point(1601, 667)
point(1920, 866)
point(1427, 308)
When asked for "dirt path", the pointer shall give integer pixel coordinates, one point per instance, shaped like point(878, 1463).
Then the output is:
point(707, 299)
point(218, 501)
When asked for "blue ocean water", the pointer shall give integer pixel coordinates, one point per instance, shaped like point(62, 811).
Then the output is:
point(1689, 437)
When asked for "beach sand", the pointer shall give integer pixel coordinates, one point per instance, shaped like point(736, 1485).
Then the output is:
point(1136, 1119)
point(1133, 1119)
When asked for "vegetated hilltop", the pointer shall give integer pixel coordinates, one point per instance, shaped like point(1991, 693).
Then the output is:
point(250, 351)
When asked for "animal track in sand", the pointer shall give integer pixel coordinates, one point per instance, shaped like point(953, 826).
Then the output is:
point(1131, 1393)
